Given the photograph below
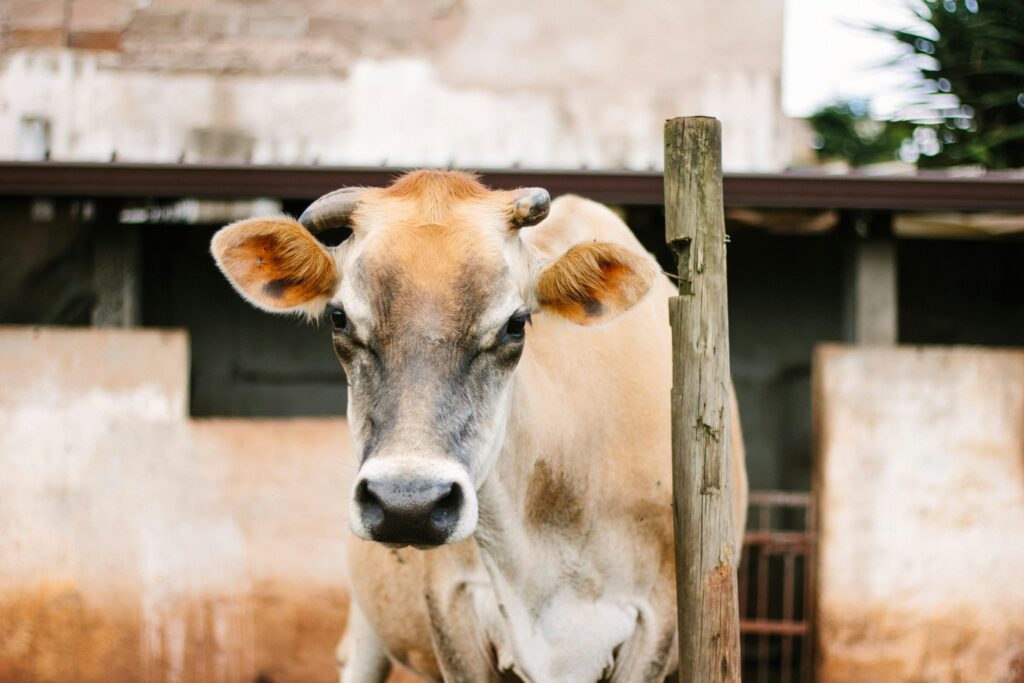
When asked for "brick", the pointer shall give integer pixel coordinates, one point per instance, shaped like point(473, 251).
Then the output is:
point(37, 37)
point(212, 25)
point(100, 15)
point(96, 40)
point(157, 25)
point(178, 4)
point(35, 14)
point(277, 26)
point(354, 8)
point(337, 30)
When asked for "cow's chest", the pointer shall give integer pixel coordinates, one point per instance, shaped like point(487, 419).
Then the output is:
point(564, 638)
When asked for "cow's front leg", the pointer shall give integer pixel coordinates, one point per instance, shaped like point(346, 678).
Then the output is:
point(459, 643)
point(455, 586)
point(361, 654)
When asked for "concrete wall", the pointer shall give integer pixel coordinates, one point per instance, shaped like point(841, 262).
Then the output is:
point(920, 469)
point(139, 545)
point(477, 83)
point(786, 294)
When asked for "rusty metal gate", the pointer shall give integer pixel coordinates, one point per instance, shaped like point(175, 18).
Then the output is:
point(776, 588)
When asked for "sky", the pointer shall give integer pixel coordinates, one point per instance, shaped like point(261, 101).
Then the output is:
point(825, 58)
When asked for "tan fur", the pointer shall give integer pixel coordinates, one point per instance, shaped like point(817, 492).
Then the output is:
point(389, 585)
point(617, 469)
point(594, 282)
point(576, 516)
point(740, 485)
point(434, 192)
point(276, 264)
point(427, 255)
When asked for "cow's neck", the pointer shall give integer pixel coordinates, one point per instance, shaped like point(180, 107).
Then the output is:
point(538, 497)
point(538, 540)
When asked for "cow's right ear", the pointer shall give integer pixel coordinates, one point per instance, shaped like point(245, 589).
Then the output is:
point(276, 265)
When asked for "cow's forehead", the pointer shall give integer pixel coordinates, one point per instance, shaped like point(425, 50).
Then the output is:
point(448, 198)
point(433, 246)
point(439, 278)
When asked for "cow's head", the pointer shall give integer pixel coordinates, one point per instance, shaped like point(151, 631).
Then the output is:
point(429, 303)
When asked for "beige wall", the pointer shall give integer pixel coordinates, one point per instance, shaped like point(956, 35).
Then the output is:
point(921, 484)
point(138, 545)
point(478, 83)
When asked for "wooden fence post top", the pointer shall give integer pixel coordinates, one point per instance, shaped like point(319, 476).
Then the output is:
point(693, 164)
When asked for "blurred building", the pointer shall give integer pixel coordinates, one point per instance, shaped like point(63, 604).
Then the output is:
point(168, 525)
point(577, 84)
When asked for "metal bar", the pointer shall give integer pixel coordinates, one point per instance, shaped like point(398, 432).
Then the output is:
point(743, 588)
point(769, 627)
point(780, 498)
point(810, 588)
point(991, 192)
point(742, 583)
point(788, 586)
point(792, 627)
point(764, 516)
point(777, 539)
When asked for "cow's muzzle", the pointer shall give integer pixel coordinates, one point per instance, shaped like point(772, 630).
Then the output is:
point(395, 504)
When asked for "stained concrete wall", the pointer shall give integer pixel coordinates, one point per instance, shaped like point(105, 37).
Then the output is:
point(920, 468)
point(139, 545)
point(476, 83)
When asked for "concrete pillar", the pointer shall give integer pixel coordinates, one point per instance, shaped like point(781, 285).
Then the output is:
point(871, 301)
point(875, 292)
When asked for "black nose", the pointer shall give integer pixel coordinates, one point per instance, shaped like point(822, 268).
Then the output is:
point(409, 512)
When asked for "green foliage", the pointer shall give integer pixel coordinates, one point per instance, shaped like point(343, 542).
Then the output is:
point(971, 61)
point(845, 131)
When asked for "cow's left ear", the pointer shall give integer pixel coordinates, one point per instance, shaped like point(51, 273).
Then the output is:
point(594, 282)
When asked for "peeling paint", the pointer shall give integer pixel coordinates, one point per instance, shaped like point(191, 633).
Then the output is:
point(140, 545)
point(921, 558)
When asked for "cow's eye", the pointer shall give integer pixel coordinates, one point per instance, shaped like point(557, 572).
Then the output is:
point(516, 326)
point(338, 319)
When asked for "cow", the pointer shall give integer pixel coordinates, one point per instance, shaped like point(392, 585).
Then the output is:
point(509, 364)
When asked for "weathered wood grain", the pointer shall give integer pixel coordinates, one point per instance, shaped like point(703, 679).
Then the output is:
point(702, 471)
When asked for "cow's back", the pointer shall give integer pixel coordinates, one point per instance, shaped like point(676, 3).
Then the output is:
point(574, 220)
point(636, 382)
point(602, 391)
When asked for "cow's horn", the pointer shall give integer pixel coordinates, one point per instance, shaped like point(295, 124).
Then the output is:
point(530, 206)
point(333, 210)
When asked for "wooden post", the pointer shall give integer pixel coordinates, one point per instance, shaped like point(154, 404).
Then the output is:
point(701, 458)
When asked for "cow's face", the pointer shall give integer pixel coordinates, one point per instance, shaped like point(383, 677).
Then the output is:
point(429, 304)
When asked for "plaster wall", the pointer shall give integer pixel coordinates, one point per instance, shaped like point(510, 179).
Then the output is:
point(474, 83)
point(920, 468)
point(139, 545)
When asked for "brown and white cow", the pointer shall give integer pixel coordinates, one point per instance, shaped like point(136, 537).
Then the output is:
point(509, 405)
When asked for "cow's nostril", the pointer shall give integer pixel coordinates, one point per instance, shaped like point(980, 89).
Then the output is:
point(369, 503)
point(446, 511)
point(409, 511)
